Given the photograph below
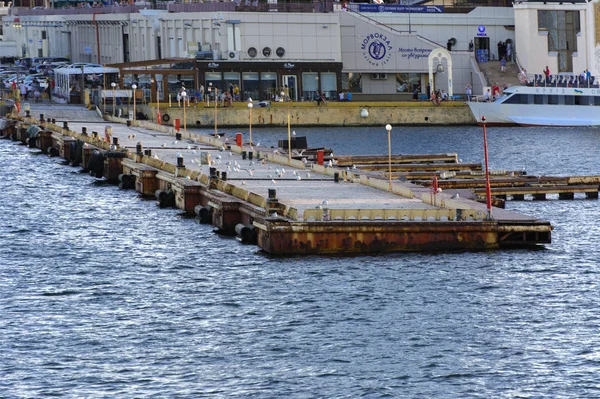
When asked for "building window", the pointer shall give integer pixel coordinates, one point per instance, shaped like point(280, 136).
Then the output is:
point(215, 79)
point(406, 82)
point(250, 85)
point(232, 78)
point(269, 85)
point(310, 85)
point(354, 82)
point(562, 28)
point(329, 85)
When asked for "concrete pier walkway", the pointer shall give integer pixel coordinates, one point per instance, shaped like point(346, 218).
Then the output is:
point(296, 206)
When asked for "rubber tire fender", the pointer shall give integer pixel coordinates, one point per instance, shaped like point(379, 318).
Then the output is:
point(166, 117)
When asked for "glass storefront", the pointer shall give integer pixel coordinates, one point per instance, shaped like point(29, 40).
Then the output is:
point(406, 82)
point(269, 85)
point(310, 85)
point(250, 85)
point(329, 85)
point(213, 78)
point(354, 82)
point(232, 79)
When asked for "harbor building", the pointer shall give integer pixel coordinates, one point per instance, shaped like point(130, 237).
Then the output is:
point(563, 36)
point(375, 52)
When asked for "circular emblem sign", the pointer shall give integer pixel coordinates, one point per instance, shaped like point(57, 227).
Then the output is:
point(377, 49)
point(481, 28)
point(267, 52)
point(252, 52)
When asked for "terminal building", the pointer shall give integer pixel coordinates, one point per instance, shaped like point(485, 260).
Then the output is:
point(376, 52)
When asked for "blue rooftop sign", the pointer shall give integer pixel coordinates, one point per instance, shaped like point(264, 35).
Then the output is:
point(399, 8)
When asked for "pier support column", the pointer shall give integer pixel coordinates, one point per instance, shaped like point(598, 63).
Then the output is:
point(187, 196)
point(592, 195)
point(44, 140)
point(518, 197)
point(226, 215)
point(112, 165)
point(539, 197)
point(566, 196)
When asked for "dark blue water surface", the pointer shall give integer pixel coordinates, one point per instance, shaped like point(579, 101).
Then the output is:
point(105, 295)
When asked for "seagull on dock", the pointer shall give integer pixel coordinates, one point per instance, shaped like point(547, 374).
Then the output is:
point(330, 164)
point(175, 142)
point(325, 202)
point(164, 145)
point(273, 181)
point(298, 178)
point(308, 175)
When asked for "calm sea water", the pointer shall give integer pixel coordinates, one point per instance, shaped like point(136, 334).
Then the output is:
point(105, 295)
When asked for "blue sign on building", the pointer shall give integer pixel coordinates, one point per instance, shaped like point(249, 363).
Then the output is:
point(399, 8)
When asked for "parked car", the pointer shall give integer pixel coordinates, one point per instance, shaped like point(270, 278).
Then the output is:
point(83, 64)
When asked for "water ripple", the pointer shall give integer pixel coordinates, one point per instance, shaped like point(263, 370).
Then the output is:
point(105, 295)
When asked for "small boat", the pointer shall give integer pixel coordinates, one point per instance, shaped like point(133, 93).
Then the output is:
point(541, 106)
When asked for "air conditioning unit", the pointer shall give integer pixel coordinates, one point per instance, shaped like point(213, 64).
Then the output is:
point(232, 55)
point(383, 76)
point(374, 76)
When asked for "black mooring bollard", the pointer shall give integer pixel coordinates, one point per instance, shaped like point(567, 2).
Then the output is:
point(180, 162)
point(138, 148)
point(224, 176)
point(66, 125)
point(272, 193)
point(116, 141)
point(41, 118)
point(84, 131)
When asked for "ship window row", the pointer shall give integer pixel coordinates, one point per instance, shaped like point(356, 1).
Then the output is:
point(544, 99)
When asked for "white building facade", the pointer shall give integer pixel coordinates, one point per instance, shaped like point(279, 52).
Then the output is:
point(564, 36)
point(309, 46)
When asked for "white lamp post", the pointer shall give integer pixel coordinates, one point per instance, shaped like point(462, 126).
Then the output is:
point(113, 84)
point(209, 93)
point(183, 97)
point(388, 127)
point(216, 116)
point(134, 87)
point(250, 105)
point(158, 119)
point(289, 130)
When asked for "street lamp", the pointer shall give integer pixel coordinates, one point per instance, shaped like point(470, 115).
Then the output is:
point(289, 133)
point(250, 105)
point(158, 102)
point(183, 96)
point(388, 127)
point(113, 84)
point(216, 103)
point(209, 93)
point(134, 87)
point(488, 189)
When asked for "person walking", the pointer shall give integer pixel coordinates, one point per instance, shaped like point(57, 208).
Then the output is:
point(502, 64)
point(469, 91)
